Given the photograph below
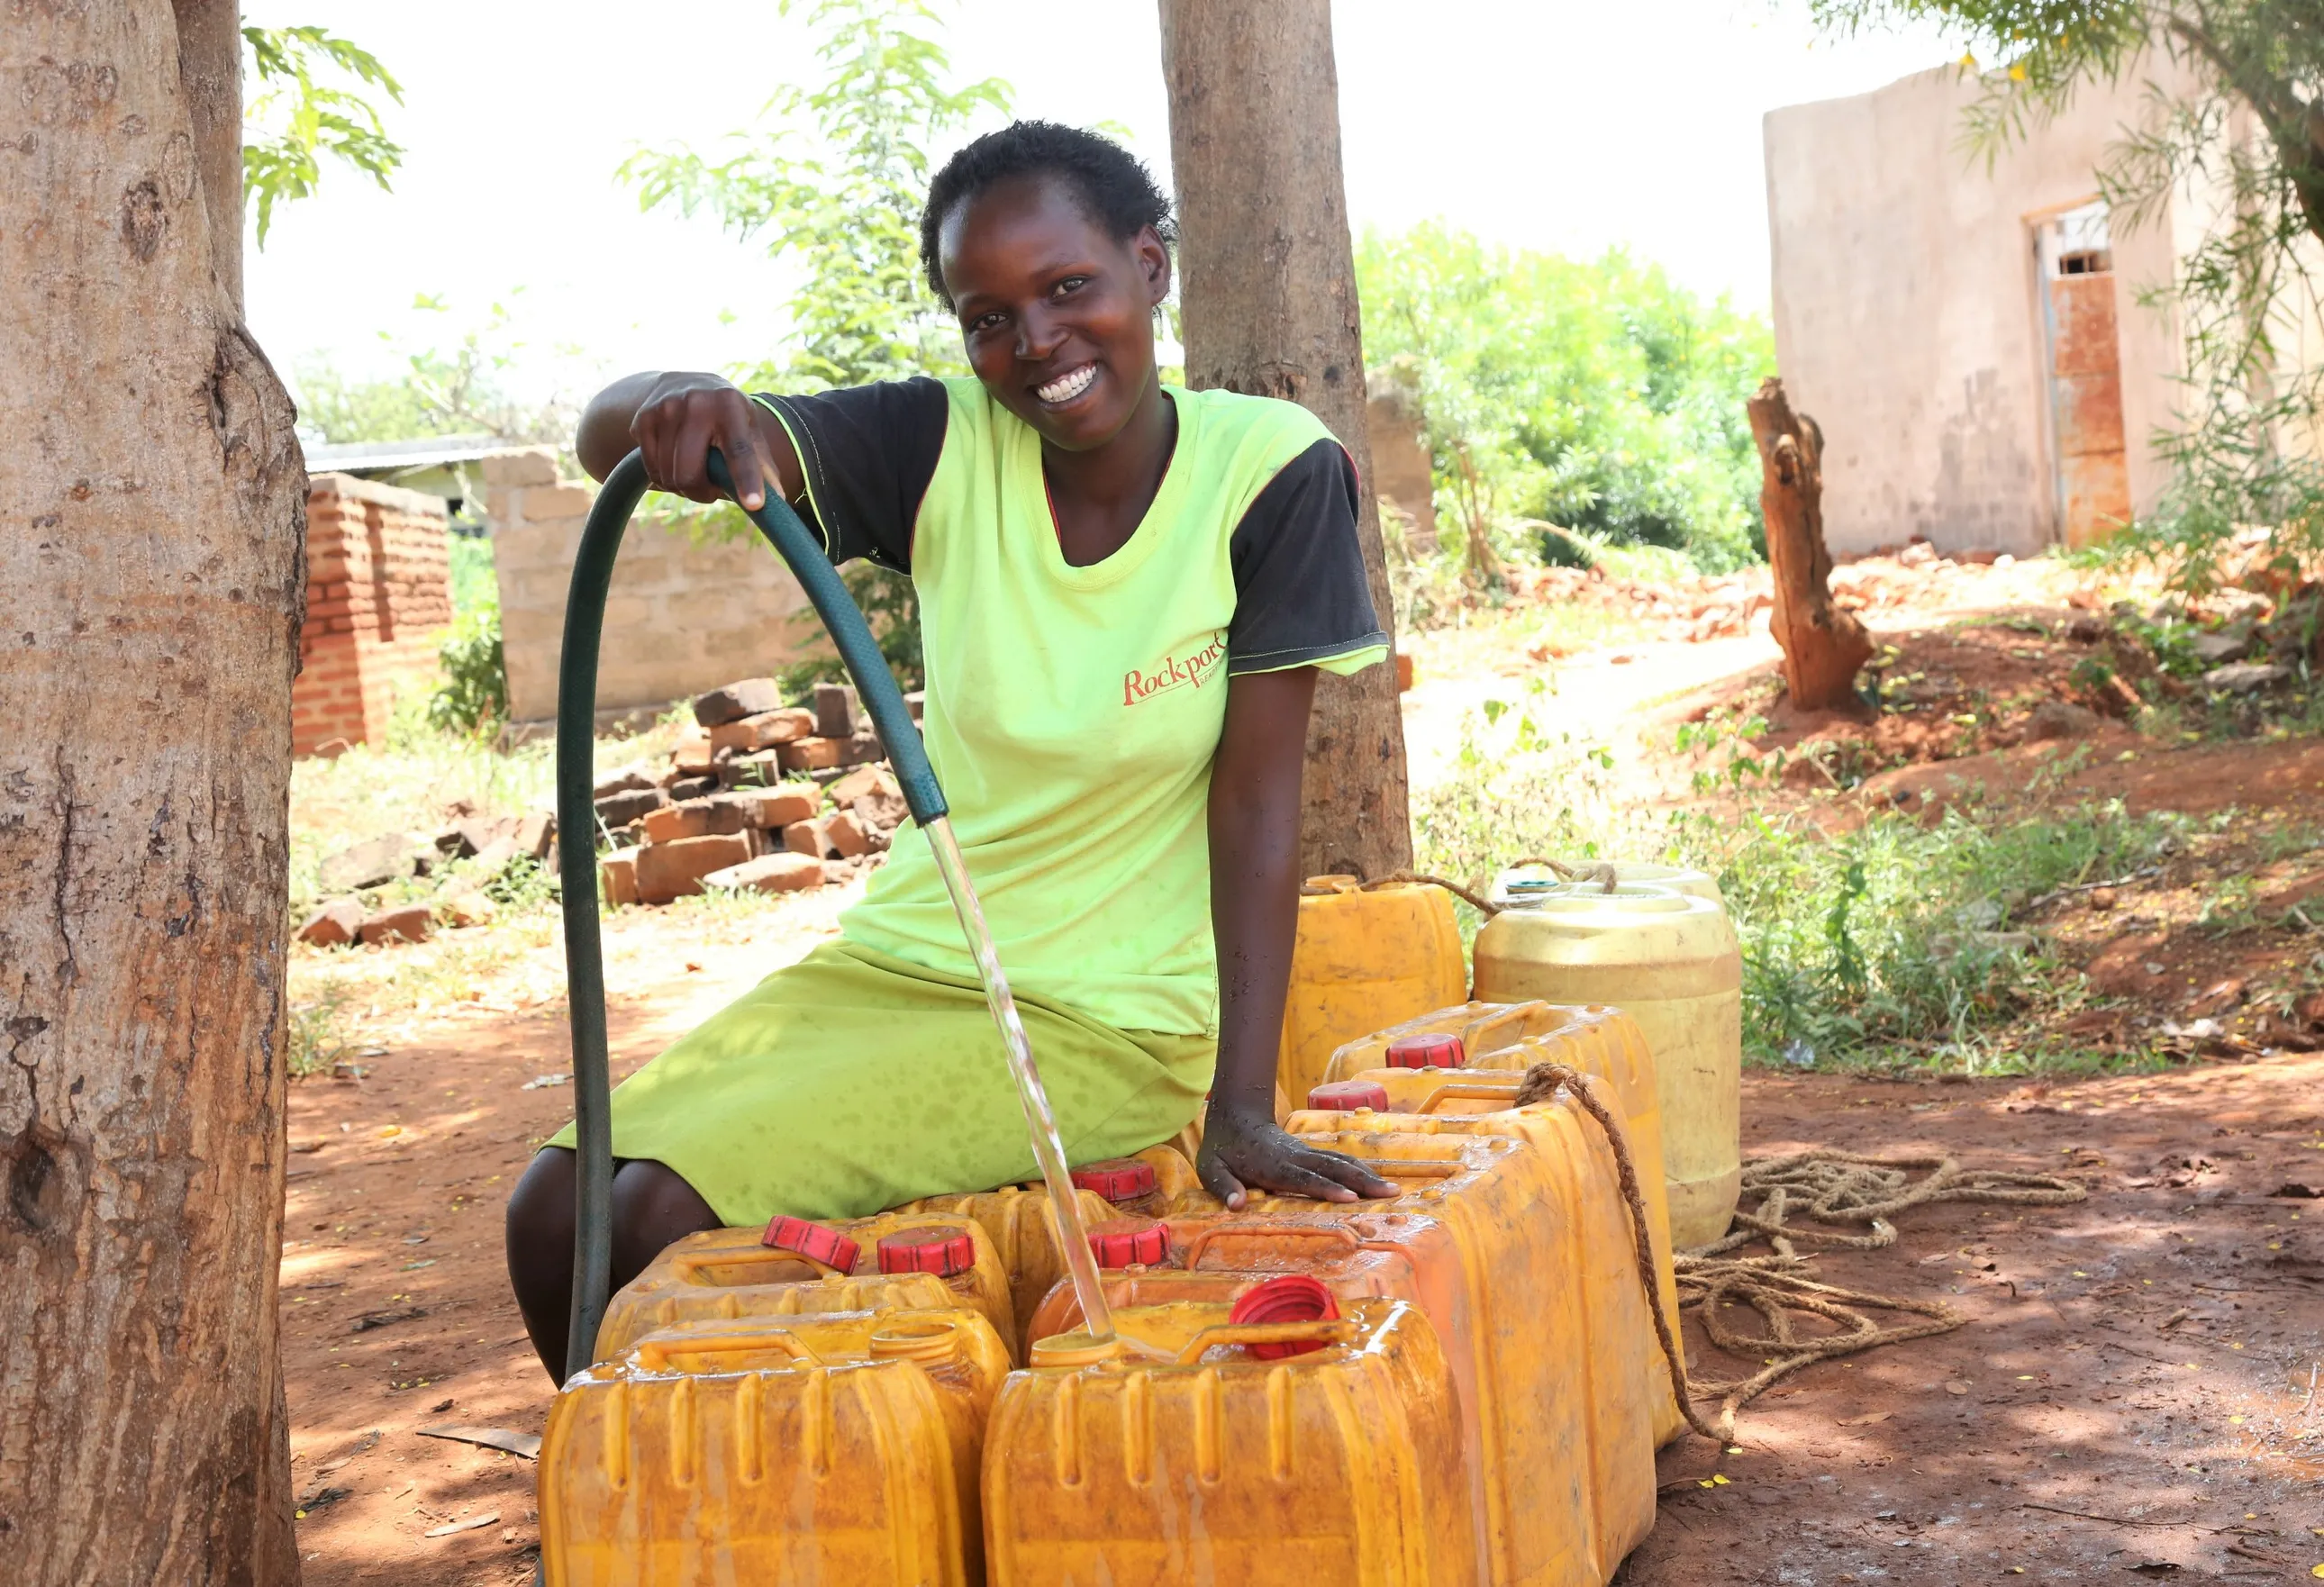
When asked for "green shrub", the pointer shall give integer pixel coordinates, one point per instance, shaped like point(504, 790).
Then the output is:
point(474, 694)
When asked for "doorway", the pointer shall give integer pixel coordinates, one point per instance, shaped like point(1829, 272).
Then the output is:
point(2088, 462)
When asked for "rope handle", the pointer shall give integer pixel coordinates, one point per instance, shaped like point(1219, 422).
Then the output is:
point(1601, 873)
point(1540, 1083)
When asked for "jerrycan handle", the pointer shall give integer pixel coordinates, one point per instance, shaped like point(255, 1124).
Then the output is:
point(1478, 1035)
point(1338, 1234)
point(1471, 1092)
point(689, 1269)
point(1339, 1331)
point(654, 1355)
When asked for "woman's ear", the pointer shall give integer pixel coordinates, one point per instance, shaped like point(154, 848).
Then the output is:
point(1154, 261)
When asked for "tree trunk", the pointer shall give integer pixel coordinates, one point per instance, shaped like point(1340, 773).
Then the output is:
point(209, 71)
point(1822, 646)
point(1268, 295)
point(154, 577)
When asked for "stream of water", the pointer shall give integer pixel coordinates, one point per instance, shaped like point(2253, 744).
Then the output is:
point(1049, 1151)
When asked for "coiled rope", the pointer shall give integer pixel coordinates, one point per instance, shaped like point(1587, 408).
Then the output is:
point(1829, 1186)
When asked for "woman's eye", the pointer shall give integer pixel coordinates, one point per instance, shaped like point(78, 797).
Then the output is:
point(1072, 283)
point(984, 322)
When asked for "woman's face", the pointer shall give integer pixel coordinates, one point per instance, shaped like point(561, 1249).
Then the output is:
point(1058, 316)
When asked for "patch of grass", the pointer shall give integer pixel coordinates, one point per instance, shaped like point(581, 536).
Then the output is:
point(1896, 946)
point(319, 1032)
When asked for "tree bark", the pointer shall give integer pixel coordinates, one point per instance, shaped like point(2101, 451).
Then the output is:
point(1822, 645)
point(153, 571)
point(1268, 299)
point(209, 71)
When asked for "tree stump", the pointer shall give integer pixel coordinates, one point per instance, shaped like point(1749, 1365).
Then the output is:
point(1822, 646)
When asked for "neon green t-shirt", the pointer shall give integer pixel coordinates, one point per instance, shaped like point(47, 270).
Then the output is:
point(1072, 713)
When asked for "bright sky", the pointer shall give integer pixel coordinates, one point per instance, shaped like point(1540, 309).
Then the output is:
point(1558, 126)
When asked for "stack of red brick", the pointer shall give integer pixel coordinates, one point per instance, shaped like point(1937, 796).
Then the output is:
point(758, 795)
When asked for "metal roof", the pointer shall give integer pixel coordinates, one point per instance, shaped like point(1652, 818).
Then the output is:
point(398, 456)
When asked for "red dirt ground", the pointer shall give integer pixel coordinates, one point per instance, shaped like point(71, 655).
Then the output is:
point(2077, 1398)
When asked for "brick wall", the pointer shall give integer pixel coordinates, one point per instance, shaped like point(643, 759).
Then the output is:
point(681, 617)
point(378, 601)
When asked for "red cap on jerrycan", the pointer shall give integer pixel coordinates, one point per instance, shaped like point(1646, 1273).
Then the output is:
point(813, 1241)
point(1436, 1050)
point(1118, 1179)
point(941, 1254)
point(1345, 1096)
point(1288, 1297)
point(1121, 1243)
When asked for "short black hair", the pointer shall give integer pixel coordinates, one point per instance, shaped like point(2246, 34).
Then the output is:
point(1114, 187)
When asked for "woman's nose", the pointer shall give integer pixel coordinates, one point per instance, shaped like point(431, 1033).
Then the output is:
point(1037, 334)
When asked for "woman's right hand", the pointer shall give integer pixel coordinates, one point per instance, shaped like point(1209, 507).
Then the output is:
point(675, 420)
point(681, 416)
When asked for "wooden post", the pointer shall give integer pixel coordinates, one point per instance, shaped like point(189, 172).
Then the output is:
point(1822, 646)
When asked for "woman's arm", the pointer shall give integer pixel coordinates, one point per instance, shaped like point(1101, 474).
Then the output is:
point(1254, 822)
point(675, 420)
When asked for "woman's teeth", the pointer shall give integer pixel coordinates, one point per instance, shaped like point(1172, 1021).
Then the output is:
point(1067, 386)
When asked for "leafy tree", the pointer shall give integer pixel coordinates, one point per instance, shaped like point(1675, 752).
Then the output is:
point(2246, 290)
point(833, 178)
point(298, 115)
point(1595, 397)
point(442, 392)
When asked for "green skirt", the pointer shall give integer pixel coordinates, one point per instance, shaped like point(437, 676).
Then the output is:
point(851, 1082)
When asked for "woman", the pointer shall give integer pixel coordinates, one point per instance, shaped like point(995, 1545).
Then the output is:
point(1126, 592)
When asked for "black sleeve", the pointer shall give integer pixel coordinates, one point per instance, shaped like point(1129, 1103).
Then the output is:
point(869, 452)
point(1300, 592)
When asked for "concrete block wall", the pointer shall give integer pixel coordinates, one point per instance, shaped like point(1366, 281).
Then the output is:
point(681, 618)
point(378, 601)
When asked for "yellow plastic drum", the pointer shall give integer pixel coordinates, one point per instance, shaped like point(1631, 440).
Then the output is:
point(1670, 961)
point(1524, 884)
point(1363, 961)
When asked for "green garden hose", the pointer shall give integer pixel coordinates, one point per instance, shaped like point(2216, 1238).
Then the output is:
point(576, 827)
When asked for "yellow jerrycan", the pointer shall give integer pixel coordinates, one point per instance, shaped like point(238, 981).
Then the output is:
point(1473, 1215)
point(794, 1268)
point(1024, 1235)
point(1364, 958)
point(1475, 1027)
point(1529, 882)
point(845, 1447)
point(1194, 1449)
point(1499, 1042)
point(1671, 962)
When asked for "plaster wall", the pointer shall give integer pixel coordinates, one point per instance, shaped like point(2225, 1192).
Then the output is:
point(1908, 318)
point(681, 618)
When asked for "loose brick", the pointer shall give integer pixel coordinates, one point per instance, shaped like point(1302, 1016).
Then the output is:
point(834, 710)
point(846, 837)
point(815, 755)
point(763, 731)
point(381, 860)
point(759, 769)
point(694, 754)
point(536, 834)
point(667, 871)
point(693, 787)
point(778, 808)
point(784, 873)
point(618, 874)
point(465, 904)
point(716, 815)
point(411, 923)
point(628, 780)
point(621, 808)
point(808, 837)
point(747, 697)
point(839, 872)
point(334, 925)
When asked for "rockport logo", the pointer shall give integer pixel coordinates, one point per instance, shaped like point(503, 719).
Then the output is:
point(1193, 668)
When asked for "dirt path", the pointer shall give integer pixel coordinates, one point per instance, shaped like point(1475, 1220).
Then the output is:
point(396, 1317)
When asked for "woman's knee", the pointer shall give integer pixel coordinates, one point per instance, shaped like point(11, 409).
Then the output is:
point(653, 1206)
point(540, 1214)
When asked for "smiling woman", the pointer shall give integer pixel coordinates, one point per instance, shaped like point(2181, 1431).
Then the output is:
point(1126, 592)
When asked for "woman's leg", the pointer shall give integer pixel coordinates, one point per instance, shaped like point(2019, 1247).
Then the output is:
point(652, 1207)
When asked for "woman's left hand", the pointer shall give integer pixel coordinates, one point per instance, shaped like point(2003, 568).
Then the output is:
point(1243, 1152)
